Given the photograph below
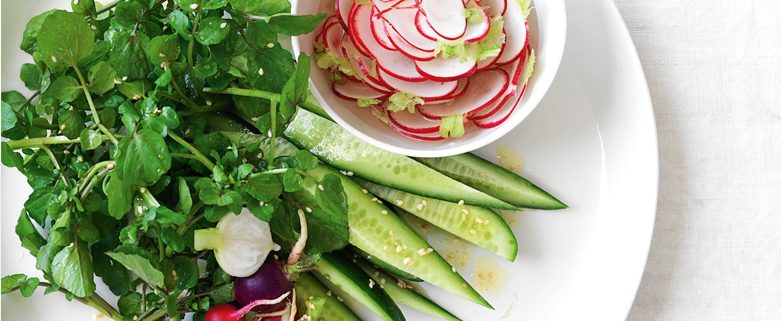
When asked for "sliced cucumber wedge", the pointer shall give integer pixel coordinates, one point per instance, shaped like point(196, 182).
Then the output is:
point(333, 310)
point(390, 269)
point(338, 148)
point(403, 293)
point(480, 226)
point(347, 280)
point(493, 180)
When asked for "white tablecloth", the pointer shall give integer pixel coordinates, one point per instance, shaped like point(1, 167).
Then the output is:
point(714, 70)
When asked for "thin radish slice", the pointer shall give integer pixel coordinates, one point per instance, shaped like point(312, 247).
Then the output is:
point(364, 66)
point(446, 17)
point(494, 7)
point(380, 33)
point(492, 116)
point(332, 37)
point(382, 5)
point(486, 88)
point(343, 11)
point(447, 69)
point(413, 122)
point(324, 26)
point(422, 89)
point(479, 29)
point(392, 62)
point(352, 90)
point(490, 62)
point(405, 47)
point(463, 84)
point(515, 68)
point(424, 28)
point(424, 137)
point(516, 31)
point(500, 115)
point(403, 22)
point(490, 109)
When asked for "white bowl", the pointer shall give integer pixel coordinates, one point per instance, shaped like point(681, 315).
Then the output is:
point(547, 27)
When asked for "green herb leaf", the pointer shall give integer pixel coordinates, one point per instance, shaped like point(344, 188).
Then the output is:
point(102, 78)
point(90, 139)
point(140, 262)
point(296, 88)
point(129, 304)
point(31, 76)
point(127, 54)
point(120, 196)
point(71, 123)
point(72, 269)
point(9, 117)
point(163, 49)
point(294, 25)
point(144, 159)
point(261, 8)
point(181, 23)
point(31, 239)
point(30, 35)
point(65, 37)
point(185, 199)
point(263, 187)
point(65, 88)
point(212, 31)
point(172, 239)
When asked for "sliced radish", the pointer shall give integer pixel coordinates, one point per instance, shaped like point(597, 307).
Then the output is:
point(405, 47)
point(422, 89)
point(424, 28)
point(326, 24)
point(446, 17)
point(515, 68)
point(500, 115)
point(516, 31)
point(486, 88)
point(403, 22)
point(477, 31)
point(463, 84)
point(392, 62)
point(447, 69)
point(354, 90)
point(490, 62)
point(432, 137)
point(413, 123)
point(364, 66)
point(332, 37)
point(380, 33)
point(494, 7)
point(343, 11)
point(383, 5)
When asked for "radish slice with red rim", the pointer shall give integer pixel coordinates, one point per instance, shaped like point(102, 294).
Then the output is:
point(501, 114)
point(422, 89)
point(424, 137)
point(403, 22)
point(380, 33)
point(494, 7)
point(324, 26)
point(405, 47)
point(342, 8)
point(516, 31)
point(475, 31)
point(446, 17)
point(447, 69)
point(424, 28)
point(332, 37)
point(463, 84)
point(363, 66)
point(393, 62)
point(354, 90)
point(490, 62)
point(413, 122)
point(485, 88)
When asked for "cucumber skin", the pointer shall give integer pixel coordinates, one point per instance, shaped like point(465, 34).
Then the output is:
point(332, 266)
point(494, 180)
point(336, 147)
point(370, 231)
point(405, 296)
point(494, 236)
point(385, 267)
point(308, 286)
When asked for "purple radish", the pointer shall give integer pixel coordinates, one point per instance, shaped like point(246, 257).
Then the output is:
point(228, 312)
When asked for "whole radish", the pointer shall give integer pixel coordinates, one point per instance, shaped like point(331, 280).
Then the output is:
point(228, 312)
point(270, 281)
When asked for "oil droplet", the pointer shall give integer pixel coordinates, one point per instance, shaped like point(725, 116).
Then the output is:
point(510, 217)
point(488, 275)
point(456, 252)
point(509, 159)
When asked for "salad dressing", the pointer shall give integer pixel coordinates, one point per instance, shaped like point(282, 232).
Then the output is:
point(510, 159)
point(488, 275)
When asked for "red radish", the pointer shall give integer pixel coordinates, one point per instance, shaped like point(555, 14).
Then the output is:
point(515, 68)
point(383, 5)
point(228, 312)
point(423, 89)
point(446, 17)
point(326, 24)
point(424, 28)
point(516, 31)
point(406, 48)
point(270, 281)
point(380, 33)
point(393, 62)
point(486, 88)
point(364, 66)
point(475, 31)
point(413, 123)
point(332, 36)
point(495, 7)
point(447, 69)
point(343, 11)
point(353, 90)
point(403, 22)
point(424, 137)
point(491, 109)
point(501, 114)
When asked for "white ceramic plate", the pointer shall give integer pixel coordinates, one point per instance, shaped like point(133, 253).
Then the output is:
point(592, 143)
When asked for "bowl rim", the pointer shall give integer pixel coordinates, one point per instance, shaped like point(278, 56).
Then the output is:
point(530, 102)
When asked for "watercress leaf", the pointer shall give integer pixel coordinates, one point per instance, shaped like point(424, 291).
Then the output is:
point(60, 233)
point(185, 199)
point(11, 282)
point(205, 68)
point(306, 160)
point(208, 191)
point(90, 139)
point(108, 116)
point(30, 35)
point(72, 269)
point(163, 49)
point(15, 99)
point(269, 68)
point(244, 170)
point(156, 124)
point(101, 77)
point(179, 21)
point(9, 117)
point(10, 158)
point(127, 54)
point(222, 294)
point(129, 234)
point(261, 8)
point(165, 78)
point(296, 88)
point(140, 262)
point(144, 159)
point(65, 38)
point(294, 25)
point(172, 239)
point(127, 14)
point(292, 181)
point(284, 225)
point(263, 187)
point(212, 30)
point(71, 123)
point(65, 88)
point(167, 216)
point(86, 231)
point(31, 76)
point(31, 239)
point(43, 261)
point(114, 275)
point(130, 115)
point(262, 212)
point(195, 5)
point(83, 7)
point(37, 203)
point(215, 213)
point(259, 33)
point(187, 272)
point(27, 287)
point(129, 304)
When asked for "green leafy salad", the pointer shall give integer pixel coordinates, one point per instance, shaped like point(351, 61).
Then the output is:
point(175, 155)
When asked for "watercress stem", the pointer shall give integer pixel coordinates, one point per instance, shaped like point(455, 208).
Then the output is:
point(43, 141)
point(247, 93)
point(273, 132)
point(91, 104)
point(56, 164)
point(105, 307)
point(148, 197)
point(94, 171)
point(108, 7)
point(201, 157)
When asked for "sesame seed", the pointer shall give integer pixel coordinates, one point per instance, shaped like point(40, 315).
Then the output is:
point(419, 207)
point(398, 248)
point(424, 202)
point(270, 45)
point(384, 212)
point(374, 199)
point(320, 187)
point(422, 252)
point(194, 6)
point(371, 283)
point(478, 220)
point(401, 283)
point(117, 81)
point(364, 191)
point(386, 247)
point(473, 232)
point(124, 78)
point(463, 285)
point(461, 202)
point(382, 281)
point(407, 261)
point(342, 300)
point(54, 59)
point(453, 268)
point(399, 202)
point(466, 211)
point(349, 173)
point(208, 102)
point(308, 209)
point(223, 25)
point(376, 273)
point(328, 293)
point(162, 55)
point(390, 232)
point(260, 71)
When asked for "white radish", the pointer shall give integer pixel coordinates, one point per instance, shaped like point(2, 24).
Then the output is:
point(516, 31)
point(485, 88)
point(422, 89)
point(500, 115)
point(424, 28)
point(446, 17)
